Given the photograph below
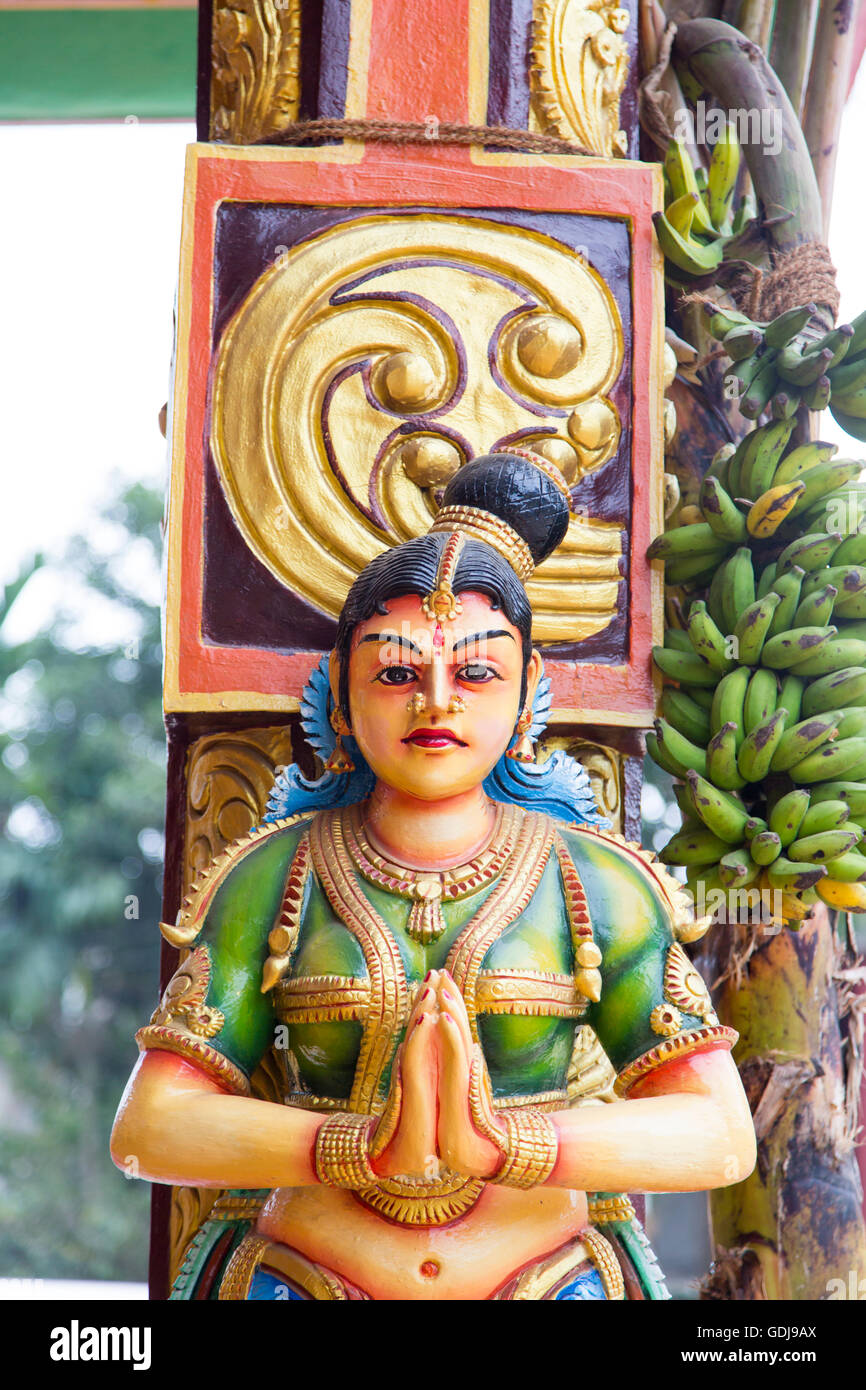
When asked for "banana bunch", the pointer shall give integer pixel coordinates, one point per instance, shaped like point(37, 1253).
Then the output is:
point(790, 361)
point(763, 711)
point(698, 220)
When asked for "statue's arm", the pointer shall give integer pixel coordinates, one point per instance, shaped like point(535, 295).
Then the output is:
point(685, 1127)
point(177, 1124)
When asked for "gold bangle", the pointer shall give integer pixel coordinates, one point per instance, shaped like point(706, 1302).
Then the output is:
point(531, 1144)
point(342, 1153)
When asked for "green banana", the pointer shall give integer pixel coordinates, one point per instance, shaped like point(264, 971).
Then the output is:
point(766, 847)
point(738, 868)
point(686, 715)
point(757, 749)
point(741, 342)
point(847, 579)
point(738, 592)
point(760, 700)
point(825, 478)
point(694, 569)
point(756, 475)
point(680, 750)
point(697, 846)
point(852, 723)
point(722, 514)
point(678, 640)
point(681, 213)
point(715, 593)
point(718, 810)
point(858, 339)
point(788, 587)
point(817, 849)
point(833, 654)
point(722, 759)
point(836, 691)
point(694, 257)
point(792, 877)
point(681, 173)
point(801, 459)
point(706, 638)
point(852, 402)
point(849, 378)
point(755, 825)
point(784, 404)
point(817, 396)
point(721, 321)
point(761, 387)
point(803, 368)
point(684, 799)
point(722, 178)
point(816, 608)
point(701, 696)
point(766, 581)
point(851, 424)
point(752, 628)
point(791, 696)
point(795, 646)
point(809, 552)
point(787, 815)
point(681, 667)
point(719, 464)
point(838, 342)
point(784, 327)
point(728, 702)
point(803, 738)
point(824, 815)
point(845, 755)
point(848, 868)
point(852, 551)
point(658, 755)
point(697, 539)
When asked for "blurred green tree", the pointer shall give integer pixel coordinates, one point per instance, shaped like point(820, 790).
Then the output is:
point(82, 773)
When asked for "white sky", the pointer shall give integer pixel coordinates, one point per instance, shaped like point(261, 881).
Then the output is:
point(89, 247)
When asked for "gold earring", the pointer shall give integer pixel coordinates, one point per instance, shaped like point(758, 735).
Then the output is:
point(456, 705)
point(418, 703)
point(524, 749)
point(339, 761)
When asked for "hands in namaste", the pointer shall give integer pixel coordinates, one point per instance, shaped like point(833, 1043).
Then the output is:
point(430, 1093)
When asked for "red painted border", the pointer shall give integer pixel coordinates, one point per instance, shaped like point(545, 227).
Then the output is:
point(443, 176)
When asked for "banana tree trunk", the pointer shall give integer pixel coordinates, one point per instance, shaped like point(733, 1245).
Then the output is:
point(795, 1225)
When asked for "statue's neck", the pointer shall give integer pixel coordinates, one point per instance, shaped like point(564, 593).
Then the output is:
point(429, 834)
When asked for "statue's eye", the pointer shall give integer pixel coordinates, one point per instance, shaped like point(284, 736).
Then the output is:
point(477, 672)
point(398, 675)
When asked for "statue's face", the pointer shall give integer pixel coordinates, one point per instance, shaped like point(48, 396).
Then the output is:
point(434, 703)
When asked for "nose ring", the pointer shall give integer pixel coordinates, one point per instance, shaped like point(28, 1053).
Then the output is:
point(456, 705)
point(418, 703)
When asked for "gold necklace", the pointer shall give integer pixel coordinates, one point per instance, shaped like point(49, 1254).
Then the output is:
point(428, 888)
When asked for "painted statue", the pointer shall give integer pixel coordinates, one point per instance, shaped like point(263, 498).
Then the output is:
point(425, 938)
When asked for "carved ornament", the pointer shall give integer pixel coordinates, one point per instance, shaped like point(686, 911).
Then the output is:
point(255, 82)
point(579, 67)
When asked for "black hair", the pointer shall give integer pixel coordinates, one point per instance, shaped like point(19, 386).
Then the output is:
point(511, 488)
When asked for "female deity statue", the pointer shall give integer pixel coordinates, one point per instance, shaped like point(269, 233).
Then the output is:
point(420, 935)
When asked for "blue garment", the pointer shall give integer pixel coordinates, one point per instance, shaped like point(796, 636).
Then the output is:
point(586, 1285)
point(267, 1287)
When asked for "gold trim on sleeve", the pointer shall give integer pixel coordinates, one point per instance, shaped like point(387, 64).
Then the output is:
point(686, 926)
point(283, 936)
point(536, 993)
point(159, 1038)
point(603, 1256)
point(683, 1045)
point(685, 987)
point(616, 1208)
point(321, 999)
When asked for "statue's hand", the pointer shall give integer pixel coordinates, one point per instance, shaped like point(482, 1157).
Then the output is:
point(404, 1143)
point(470, 1140)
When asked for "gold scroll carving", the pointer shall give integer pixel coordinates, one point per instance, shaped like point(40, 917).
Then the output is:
point(367, 364)
point(579, 67)
point(605, 768)
point(255, 86)
point(229, 778)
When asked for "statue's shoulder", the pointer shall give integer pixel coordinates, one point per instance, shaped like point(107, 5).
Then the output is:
point(593, 851)
point(252, 868)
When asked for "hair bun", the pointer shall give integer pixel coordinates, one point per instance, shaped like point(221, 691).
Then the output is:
point(522, 489)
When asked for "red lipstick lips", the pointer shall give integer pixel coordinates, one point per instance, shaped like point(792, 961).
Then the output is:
point(434, 738)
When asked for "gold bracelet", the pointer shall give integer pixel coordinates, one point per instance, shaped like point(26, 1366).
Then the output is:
point(342, 1153)
point(531, 1145)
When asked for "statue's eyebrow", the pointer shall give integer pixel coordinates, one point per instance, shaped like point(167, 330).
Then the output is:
point(392, 639)
point(482, 637)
